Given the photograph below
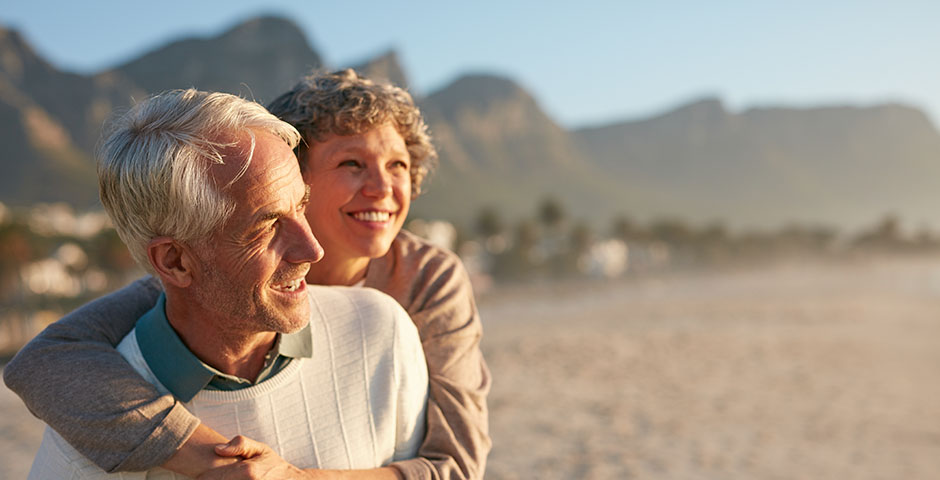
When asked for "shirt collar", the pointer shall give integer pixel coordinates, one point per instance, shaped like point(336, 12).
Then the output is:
point(178, 369)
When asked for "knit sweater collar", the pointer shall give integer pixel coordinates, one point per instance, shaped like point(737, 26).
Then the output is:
point(184, 374)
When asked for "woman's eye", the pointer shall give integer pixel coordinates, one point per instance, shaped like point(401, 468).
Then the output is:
point(349, 163)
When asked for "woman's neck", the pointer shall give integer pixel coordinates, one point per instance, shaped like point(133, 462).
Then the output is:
point(336, 271)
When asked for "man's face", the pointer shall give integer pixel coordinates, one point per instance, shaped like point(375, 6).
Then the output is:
point(252, 270)
point(362, 189)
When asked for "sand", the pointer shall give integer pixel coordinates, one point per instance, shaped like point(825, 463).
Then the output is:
point(797, 372)
point(20, 436)
point(794, 372)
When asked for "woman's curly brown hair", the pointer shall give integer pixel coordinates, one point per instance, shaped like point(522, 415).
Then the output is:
point(344, 103)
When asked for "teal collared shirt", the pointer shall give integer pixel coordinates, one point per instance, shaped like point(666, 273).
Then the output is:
point(184, 375)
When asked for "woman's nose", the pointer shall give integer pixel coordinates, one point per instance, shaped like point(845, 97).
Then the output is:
point(378, 183)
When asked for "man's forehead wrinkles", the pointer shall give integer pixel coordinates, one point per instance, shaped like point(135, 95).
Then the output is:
point(276, 174)
point(280, 204)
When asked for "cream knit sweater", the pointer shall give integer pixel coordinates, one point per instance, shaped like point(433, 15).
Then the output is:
point(358, 403)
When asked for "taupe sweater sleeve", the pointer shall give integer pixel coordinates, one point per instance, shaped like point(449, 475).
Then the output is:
point(112, 415)
point(435, 289)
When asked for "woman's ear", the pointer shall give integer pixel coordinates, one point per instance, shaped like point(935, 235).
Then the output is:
point(171, 261)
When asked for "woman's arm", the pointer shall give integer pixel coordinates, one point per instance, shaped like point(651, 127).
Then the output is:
point(112, 415)
point(439, 298)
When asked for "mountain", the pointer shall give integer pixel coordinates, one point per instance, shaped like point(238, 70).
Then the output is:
point(840, 165)
point(763, 167)
point(44, 157)
point(259, 59)
point(384, 67)
point(499, 149)
point(53, 119)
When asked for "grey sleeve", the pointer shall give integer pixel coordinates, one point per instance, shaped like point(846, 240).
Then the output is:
point(112, 415)
point(457, 441)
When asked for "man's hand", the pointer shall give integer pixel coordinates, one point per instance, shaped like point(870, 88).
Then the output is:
point(256, 461)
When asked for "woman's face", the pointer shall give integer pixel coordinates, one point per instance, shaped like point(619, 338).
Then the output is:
point(360, 192)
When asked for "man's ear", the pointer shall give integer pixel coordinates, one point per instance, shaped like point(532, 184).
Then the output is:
point(172, 261)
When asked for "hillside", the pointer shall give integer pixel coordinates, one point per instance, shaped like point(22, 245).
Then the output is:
point(499, 149)
point(257, 59)
point(844, 165)
point(840, 165)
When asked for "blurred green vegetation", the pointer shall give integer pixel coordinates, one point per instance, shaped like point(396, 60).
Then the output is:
point(45, 271)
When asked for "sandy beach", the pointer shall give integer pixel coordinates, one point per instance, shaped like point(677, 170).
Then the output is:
point(791, 372)
point(20, 436)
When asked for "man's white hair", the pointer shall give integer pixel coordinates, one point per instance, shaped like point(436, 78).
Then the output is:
point(153, 169)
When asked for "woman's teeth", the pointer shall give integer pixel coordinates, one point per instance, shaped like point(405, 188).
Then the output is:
point(372, 216)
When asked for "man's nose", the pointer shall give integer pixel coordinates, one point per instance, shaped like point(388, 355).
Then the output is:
point(304, 247)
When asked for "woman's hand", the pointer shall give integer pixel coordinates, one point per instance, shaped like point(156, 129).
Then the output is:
point(256, 460)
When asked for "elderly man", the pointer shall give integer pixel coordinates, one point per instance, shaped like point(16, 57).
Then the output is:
point(206, 192)
point(365, 154)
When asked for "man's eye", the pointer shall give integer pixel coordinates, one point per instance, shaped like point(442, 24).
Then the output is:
point(349, 163)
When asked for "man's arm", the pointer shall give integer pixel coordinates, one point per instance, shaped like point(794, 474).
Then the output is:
point(114, 417)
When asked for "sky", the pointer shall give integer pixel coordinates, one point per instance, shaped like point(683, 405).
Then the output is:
point(586, 62)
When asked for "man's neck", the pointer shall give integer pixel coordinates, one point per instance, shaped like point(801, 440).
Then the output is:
point(228, 350)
